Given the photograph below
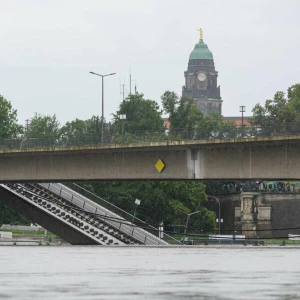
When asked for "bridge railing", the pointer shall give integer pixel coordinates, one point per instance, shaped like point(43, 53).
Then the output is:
point(120, 212)
point(132, 137)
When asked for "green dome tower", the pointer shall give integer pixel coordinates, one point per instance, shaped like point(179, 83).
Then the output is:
point(201, 51)
point(201, 79)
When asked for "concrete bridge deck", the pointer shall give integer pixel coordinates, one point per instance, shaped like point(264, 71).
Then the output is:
point(227, 159)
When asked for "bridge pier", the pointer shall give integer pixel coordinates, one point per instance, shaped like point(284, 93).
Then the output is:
point(254, 215)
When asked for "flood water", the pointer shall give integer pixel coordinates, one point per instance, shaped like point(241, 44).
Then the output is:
point(95, 272)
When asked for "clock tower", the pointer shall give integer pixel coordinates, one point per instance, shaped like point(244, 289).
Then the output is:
point(201, 79)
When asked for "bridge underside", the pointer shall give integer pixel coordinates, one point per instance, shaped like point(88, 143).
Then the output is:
point(40, 217)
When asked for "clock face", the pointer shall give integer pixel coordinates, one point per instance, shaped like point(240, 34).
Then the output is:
point(201, 76)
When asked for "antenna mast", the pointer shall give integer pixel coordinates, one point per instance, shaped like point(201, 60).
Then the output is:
point(123, 91)
point(135, 91)
point(130, 82)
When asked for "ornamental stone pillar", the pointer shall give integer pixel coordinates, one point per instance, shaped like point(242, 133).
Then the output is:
point(249, 213)
point(253, 217)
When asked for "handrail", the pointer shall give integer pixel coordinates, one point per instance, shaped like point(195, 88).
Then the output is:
point(65, 194)
point(123, 211)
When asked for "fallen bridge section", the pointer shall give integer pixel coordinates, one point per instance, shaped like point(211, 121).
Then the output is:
point(73, 217)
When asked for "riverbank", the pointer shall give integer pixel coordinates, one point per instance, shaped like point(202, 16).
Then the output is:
point(35, 236)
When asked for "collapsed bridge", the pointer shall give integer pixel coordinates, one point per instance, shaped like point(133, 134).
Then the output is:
point(72, 216)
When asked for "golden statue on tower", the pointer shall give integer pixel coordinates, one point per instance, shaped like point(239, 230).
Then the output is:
point(201, 33)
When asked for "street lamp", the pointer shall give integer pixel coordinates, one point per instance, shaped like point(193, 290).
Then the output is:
point(137, 202)
point(242, 110)
point(219, 211)
point(123, 118)
point(102, 126)
point(188, 218)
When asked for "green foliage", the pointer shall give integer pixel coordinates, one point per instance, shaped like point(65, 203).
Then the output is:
point(141, 115)
point(83, 132)
point(43, 131)
point(213, 126)
point(44, 127)
point(9, 216)
point(94, 124)
point(183, 112)
point(8, 120)
point(188, 122)
point(294, 97)
point(170, 102)
point(280, 115)
point(74, 128)
point(168, 201)
point(83, 127)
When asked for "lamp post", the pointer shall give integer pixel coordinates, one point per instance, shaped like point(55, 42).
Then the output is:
point(123, 118)
point(102, 126)
point(137, 202)
point(188, 218)
point(219, 211)
point(242, 110)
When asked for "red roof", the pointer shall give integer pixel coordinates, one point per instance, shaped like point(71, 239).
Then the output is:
point(237, 121)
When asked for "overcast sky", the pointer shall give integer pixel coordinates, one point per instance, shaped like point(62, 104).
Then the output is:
point(48, 48)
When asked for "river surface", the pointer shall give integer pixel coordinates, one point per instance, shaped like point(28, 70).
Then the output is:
point(204, 272)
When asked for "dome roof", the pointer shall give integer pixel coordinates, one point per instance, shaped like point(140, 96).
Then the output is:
point(201, 51)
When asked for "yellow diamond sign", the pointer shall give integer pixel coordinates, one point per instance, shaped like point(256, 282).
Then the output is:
point(159, 165)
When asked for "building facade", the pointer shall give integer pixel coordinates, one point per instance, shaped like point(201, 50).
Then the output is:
point(201, 79)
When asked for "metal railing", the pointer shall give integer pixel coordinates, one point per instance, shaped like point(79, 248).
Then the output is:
point(186, 134)
point(120, 212)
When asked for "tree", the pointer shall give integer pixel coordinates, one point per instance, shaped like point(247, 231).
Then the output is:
point(44, 127)
point(188, 121)
point(279, 115)
point(43, 131)
point(74, 128)
point(213, 126)
point(8, 120)
point(141, 114)
point(170, 102)
point(143, 121)
point(294, 97)
point(84, 132)
point(183, 112)
point(9, 216)
point(161, 201)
